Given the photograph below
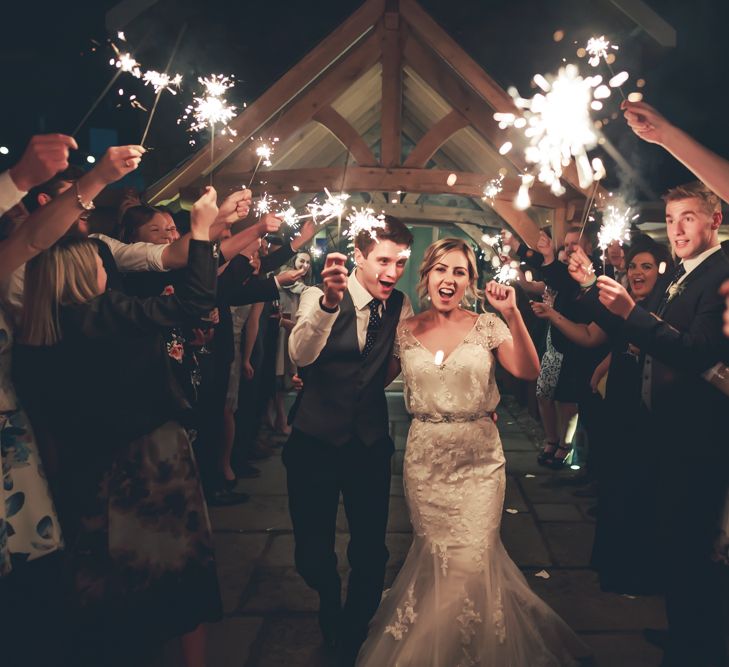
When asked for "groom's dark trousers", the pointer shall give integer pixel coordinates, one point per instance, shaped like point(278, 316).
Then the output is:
point(318, 473)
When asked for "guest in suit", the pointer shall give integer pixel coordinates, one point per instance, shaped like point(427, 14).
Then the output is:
point(340, 442)
point(687, 416)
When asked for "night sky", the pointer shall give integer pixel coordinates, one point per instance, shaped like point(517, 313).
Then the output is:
point(51, 76)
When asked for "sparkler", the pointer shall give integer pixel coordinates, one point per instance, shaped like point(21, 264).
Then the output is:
point(211, 109)
point(493, 188)
point(162, 82)
point(506, 274)
point(332, 207)
point(597, 48)
point(364, 220)
point(558, 127)
point(123, 63)
point(615, 228)
point(264, 153)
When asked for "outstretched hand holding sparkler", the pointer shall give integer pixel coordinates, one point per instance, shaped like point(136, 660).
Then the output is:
point(44, 156)
point(580, 267)
point(615, 297)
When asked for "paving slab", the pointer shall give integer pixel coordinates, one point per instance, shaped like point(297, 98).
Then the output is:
point(291, 641)
point(570, 543)
point(260, 513)
point(280, 590)
point(523, 541)
point(576, 596)
point(236, 555)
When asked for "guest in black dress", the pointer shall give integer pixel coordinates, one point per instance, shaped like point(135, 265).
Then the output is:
point(141, 553)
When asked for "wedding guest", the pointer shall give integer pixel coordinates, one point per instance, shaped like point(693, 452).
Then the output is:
point(285, 369)
point(142, 555)
point(678, 342)
point(30, 533)
point(624, 550)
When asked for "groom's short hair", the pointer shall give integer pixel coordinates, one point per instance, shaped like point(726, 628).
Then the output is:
point(395, 230)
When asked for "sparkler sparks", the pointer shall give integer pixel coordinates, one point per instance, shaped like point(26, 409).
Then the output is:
point(597, 48)
point(333, 207)
point(264, 204)
point(126, 63)
point(506, 274)
point(162, 81)
point(615, 226)
point(364, 220)
point(211, 108)
point(558, 127)
point(493, 188)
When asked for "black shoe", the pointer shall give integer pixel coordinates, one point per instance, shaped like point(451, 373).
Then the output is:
point(230, 484)
point(656, 637)
point(225, 498)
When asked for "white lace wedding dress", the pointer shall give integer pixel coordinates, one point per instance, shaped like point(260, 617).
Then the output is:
point(459, 600)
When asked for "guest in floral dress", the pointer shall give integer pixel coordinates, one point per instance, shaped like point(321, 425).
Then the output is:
point(142, 556)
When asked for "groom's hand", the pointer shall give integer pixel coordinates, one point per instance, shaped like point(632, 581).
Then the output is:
point(334, 277)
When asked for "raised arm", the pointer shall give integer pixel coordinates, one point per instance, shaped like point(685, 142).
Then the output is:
point(586, 335)
point(516, 354)
point(48, 223)
point(652, 127)
point(251, 333)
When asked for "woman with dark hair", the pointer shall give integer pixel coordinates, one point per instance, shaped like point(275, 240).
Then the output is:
point(624, 549)
point(141, 550)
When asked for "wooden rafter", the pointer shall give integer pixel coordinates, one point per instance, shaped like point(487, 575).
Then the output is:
point(318, 96)
point(347, 135)
point(443, 130)
point(319, 59)
point(391, 118)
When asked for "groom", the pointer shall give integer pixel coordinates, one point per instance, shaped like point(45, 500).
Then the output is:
point(340, 442)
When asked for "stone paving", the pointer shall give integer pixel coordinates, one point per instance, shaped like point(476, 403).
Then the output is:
point(270, 614)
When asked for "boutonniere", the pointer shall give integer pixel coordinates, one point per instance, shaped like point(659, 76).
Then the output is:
point(675, 290)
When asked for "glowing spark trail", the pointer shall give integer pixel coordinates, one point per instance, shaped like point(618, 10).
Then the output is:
point(615, 226)
point(493, 188)
point(211, 108)
point(264, 153)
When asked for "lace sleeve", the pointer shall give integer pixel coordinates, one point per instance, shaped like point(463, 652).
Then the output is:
point(396, 343)
point(496, 330)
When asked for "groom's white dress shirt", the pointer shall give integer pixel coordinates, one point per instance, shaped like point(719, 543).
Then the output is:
point(313, 324)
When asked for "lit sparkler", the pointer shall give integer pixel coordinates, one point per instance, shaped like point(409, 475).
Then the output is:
point(506, 274)
point(162, 81)
point(264, 204)
point(264, 153)
point(364, 220)
point(332, 207)
point(316, 252)
point(493, 188)
point(615, 226)
point(597, 48)
point(211, 108)
point(558, 127)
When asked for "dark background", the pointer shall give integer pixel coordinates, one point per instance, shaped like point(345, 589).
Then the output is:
point(50, 75)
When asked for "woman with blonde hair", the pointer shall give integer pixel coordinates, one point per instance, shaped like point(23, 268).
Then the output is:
point(141, 551)
point(459, 599)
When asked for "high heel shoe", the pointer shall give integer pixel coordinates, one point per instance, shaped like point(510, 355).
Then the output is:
point(557, 463)
point(546, 455)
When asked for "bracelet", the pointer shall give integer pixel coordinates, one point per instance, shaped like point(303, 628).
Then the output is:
point(86, 206)
point(325, 308)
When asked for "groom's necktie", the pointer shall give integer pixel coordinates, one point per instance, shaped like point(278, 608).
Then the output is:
point(373, 326)
point(678, 273)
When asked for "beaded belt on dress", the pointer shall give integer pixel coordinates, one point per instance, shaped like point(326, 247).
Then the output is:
point(450, 418)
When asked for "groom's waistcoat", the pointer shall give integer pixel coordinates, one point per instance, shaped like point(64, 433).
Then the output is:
point(344, 395)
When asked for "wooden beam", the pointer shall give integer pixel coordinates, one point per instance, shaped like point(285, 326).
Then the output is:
point(347, 135)
point(449, 50)
point(310, 67)
point(391, 119)
point(520, 222)
point(380, 179)
point(436, 136)
point(455, 88)
point(318, 96)
point(432, 213)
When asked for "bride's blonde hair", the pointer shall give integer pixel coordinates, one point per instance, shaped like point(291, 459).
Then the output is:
point(434, 253)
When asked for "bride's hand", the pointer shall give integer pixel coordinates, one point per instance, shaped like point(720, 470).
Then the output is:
point(501, 297)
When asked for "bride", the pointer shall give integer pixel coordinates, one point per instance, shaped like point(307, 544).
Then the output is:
point(459, 600)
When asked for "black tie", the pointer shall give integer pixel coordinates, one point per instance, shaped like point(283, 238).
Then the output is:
point(678, 273)
point(373, 326)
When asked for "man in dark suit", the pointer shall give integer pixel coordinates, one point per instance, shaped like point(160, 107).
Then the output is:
point(679, 346)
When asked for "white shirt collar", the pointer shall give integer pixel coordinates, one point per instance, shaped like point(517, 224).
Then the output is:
point(360, 296)
point(691, 264)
